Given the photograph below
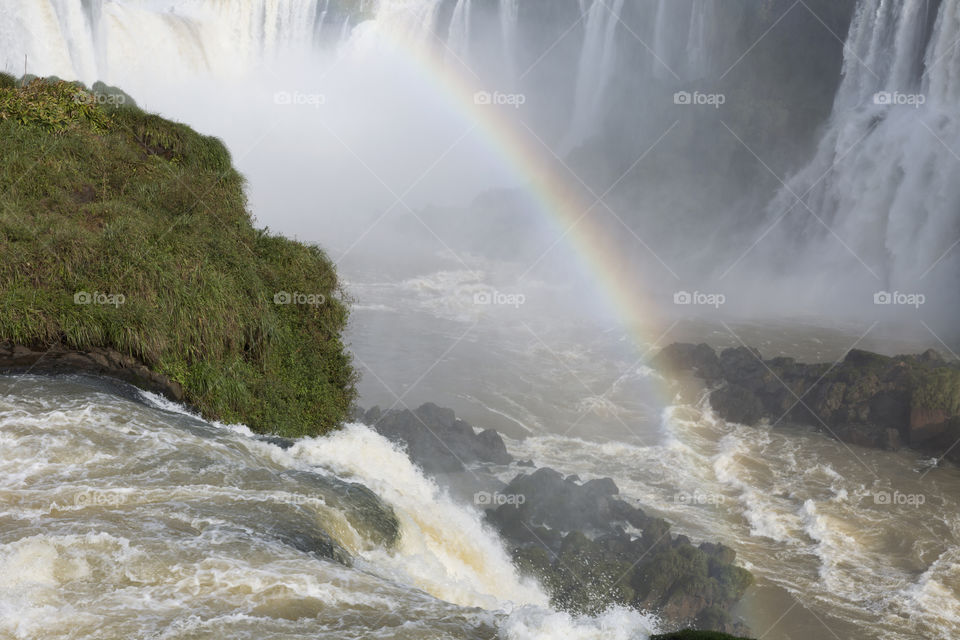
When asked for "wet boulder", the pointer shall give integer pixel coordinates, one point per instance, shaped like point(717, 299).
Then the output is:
point(866, 398)
point(436, 440)
point(700, 359)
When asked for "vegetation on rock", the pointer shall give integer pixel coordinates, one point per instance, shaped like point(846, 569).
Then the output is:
point(122, 230)
point(867, 398)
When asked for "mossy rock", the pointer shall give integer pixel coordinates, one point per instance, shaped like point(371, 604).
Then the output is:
point(100, 198)
point(938, 390)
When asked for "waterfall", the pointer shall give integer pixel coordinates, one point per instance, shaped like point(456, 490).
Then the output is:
point(883, 176)
point(595, 70)
point(700, 43)
point(509, 13)
point(683, 38)
point(663, 38)
point(458, 38)
point(116, 42)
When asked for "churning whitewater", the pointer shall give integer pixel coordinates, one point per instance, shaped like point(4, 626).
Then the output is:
point(124, 516)
point(127, 517)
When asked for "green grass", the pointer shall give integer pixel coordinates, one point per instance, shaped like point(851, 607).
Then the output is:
point(99, 196)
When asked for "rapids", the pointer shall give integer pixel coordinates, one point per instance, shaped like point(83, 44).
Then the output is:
point(123, 516)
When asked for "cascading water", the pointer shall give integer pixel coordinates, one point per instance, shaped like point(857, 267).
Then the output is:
point(113, 41)
point(122, 519)
point(458, 38)
point(700, 39)
point(595, 69)
point(684, 38)
point(882, 178)
point(509, 14)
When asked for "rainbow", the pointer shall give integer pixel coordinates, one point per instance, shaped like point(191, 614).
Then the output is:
point(570, 210)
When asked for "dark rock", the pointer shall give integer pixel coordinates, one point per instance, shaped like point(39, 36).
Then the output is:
point(549, 532)
point(95, 361)
point(867, 399)
point(548, 499)
point(283, 443)
point(570, 534)
point(701, 359)
point(737, 403)
point(437, 440)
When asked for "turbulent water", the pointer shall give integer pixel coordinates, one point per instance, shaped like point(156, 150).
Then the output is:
point(124, 517)
point(799, 508)
point(121, 516)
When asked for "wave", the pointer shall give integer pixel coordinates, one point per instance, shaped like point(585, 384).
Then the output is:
point(444, 548)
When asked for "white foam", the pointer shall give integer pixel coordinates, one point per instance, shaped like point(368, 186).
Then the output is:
point(617, 623)
point(444, 548)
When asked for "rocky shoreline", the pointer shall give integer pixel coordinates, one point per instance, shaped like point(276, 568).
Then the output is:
point(866, 399)
point(588, 546)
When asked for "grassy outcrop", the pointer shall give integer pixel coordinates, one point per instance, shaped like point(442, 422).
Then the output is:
point(122, 230)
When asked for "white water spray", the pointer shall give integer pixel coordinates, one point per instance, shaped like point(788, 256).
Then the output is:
point(882, 180)
point(595, 70)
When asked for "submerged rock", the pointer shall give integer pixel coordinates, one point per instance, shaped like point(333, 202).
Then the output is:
point(370, 516)
point(866, 399)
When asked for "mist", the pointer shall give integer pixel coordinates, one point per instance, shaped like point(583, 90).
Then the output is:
point(729, 149)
